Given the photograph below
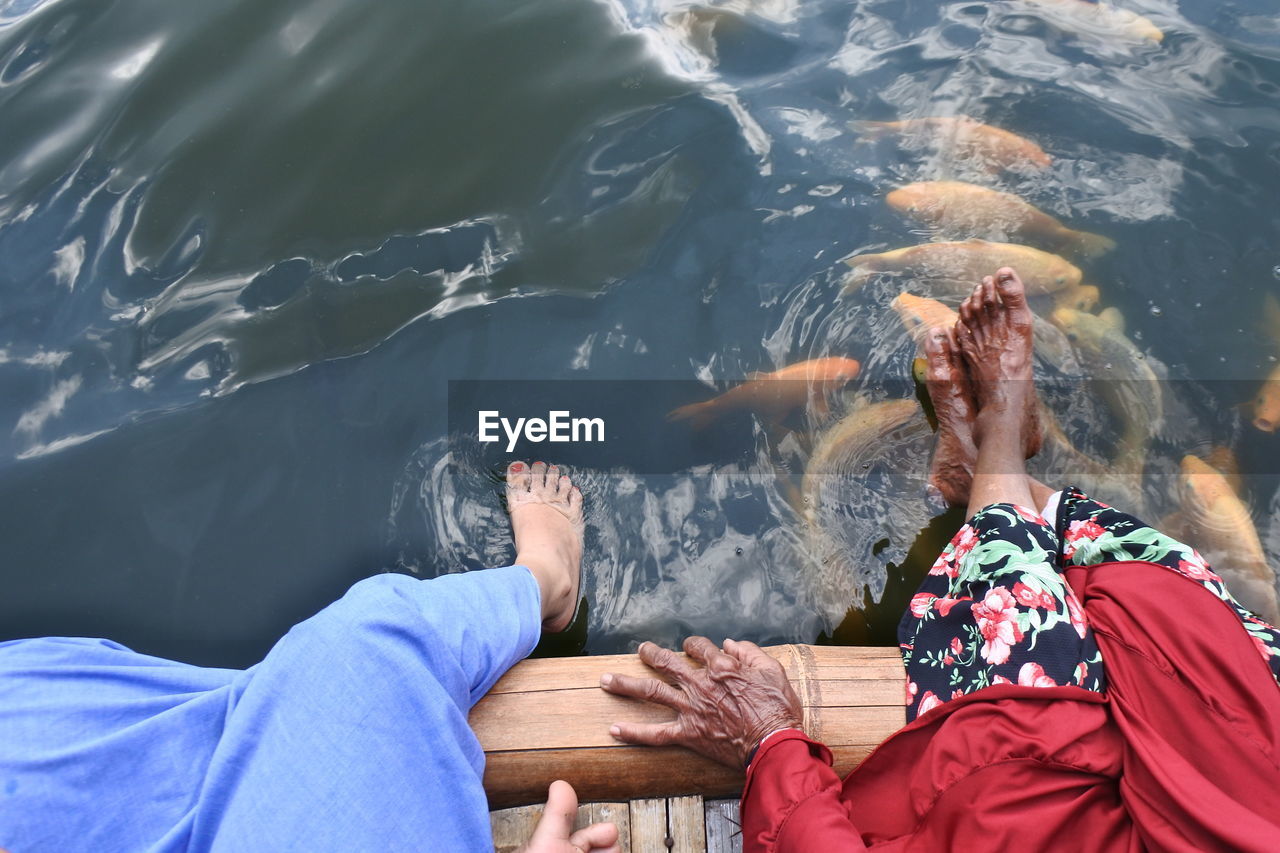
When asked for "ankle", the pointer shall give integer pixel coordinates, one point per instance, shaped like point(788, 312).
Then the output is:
point(554, 584)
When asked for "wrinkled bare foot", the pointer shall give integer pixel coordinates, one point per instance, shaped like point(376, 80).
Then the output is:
point(546, 519)
point(947, 381)
point(995, 335)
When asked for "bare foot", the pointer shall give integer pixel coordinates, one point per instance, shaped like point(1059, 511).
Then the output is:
point(546, 519)
point(995, 335)
point(947, 380)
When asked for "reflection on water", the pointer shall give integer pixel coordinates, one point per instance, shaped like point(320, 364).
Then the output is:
point(244, 245)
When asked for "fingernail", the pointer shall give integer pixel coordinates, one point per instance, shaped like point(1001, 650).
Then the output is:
point(606, 679)
point(615, 731)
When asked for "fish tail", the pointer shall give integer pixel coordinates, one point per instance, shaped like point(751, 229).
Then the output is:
point(699, 415)
point(1091, 245)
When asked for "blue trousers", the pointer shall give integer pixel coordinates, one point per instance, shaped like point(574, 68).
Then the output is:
point(351, 735)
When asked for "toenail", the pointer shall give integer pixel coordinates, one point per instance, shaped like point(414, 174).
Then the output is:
point(517, 466)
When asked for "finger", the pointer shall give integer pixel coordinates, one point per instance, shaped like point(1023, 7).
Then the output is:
point(703, 650)
point(744, 650)
point(557, 817)
point(648, 734)
point(597, 836)
point(648, 689)
point(664, 661)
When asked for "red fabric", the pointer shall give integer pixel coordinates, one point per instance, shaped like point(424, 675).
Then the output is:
point(1183, 752)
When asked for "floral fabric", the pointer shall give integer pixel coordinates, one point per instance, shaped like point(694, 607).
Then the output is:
point(996, 608)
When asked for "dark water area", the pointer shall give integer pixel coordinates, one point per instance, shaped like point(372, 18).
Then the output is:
point(257, 258)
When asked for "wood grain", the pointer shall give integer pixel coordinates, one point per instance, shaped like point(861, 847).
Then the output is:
point(648, 825)
point(724, 831)
point(686, 825)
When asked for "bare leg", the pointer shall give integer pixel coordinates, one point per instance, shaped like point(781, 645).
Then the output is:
point(994, 332)
point(546, 520)
point(947, 379)
point(1040, 493)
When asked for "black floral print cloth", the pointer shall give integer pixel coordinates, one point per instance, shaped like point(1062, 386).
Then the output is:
point(997, 609)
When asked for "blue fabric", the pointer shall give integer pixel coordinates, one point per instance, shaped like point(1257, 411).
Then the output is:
point(350, 736)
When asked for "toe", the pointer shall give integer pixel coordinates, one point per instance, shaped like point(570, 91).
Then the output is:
point(518, 476)
point(575, 499)
point(1011, 291)
point(936, 355)
point(990, 298)
point(565, 488)
point(553, 479)
point(538, 474)
point(952, 349)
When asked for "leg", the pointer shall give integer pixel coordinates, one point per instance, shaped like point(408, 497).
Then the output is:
point(994, 332)
point(360, 713)
point(947, 381)
point(995, 608)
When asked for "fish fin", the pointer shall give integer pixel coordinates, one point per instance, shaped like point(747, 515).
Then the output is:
point(874, 129)
point(857, 278)
point(1092, 245)
point(1113, 318)
point(699, 415)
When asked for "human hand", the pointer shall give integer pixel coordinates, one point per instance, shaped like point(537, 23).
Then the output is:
point(554, 832)
point(723, 710)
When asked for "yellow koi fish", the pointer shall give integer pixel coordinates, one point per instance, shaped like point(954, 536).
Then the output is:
point(965, 138)
point(955, 268)
point(960, 208)
point(1222, 529)
point(775, 396)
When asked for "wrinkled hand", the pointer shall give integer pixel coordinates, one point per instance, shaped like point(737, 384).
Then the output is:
point(723, 710)
point(554, 832)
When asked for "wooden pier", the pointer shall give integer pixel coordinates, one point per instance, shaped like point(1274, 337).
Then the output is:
point(675, 825)
point(549, 719)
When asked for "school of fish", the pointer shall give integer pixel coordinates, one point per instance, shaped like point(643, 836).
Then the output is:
point(972, 229)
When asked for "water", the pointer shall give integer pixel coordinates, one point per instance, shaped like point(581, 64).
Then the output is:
point(244, 247)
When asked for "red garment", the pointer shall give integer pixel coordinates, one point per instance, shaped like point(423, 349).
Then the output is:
point(1182, 753)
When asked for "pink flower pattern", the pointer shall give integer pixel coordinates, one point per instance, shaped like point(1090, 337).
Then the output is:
point(983, 617)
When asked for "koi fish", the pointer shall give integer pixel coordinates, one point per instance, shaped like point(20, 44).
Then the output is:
point(1124, 376)
point(1100, 17)
point(1223, 528)
point(920, 314)
point(957, 207)
point(958, 267)
point(1224, 460)
point(1081, 298)
point(966, 138)
point(775, 396)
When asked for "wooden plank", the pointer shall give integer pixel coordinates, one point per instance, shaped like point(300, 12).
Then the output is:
point(648, 825)
point(513, 827)
point(686, 825)
point(724, 831)
point(618, 814)
point(581, 718)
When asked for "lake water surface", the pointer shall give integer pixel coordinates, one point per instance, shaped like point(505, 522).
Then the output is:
point(246, 246)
